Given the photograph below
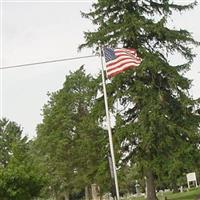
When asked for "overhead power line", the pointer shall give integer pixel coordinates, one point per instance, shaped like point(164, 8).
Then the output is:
point(45, 62)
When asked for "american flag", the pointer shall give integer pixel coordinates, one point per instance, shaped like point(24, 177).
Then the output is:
point(120, 59)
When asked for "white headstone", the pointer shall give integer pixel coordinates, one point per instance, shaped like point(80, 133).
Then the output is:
point(95, 192)
point(191, 177)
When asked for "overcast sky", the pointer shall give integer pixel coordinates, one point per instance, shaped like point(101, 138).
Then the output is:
point(38, 31)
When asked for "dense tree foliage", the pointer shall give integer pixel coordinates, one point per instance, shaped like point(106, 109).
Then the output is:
point(156, 132)
point(157, 126)
point(19, 179)
point(70, 140)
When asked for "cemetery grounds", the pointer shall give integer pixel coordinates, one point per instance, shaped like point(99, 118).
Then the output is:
point(192, 194)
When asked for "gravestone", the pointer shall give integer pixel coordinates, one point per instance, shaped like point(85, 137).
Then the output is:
point(95, 192)
point(191, 178)
point(137, 188)
point(88, 195)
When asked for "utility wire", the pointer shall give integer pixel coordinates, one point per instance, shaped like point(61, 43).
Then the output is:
point(45, 62)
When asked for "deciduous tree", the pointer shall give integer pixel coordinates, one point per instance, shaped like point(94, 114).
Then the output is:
point(19, 178)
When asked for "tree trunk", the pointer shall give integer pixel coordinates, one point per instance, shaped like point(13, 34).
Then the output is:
point(87, 193)
point(66, 196)
point(151, 190)
point(175, 187)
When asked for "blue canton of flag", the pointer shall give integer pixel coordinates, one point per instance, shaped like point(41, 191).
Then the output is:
point(109, 54)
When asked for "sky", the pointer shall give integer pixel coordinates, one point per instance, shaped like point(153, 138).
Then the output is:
point(33, 31)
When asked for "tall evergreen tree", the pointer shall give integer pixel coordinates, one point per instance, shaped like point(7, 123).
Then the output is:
point(70, 141)
point(158, 127)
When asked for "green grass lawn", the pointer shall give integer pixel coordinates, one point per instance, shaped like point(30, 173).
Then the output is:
point(190, 195)
point(193, 194)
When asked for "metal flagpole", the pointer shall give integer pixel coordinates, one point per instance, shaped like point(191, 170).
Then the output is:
point(109, 129)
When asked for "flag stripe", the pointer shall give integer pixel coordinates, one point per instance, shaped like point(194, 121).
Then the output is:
point(133, 51)
point(132, 62)
point(120, 69)
point(128, 52)
point(121, 60)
